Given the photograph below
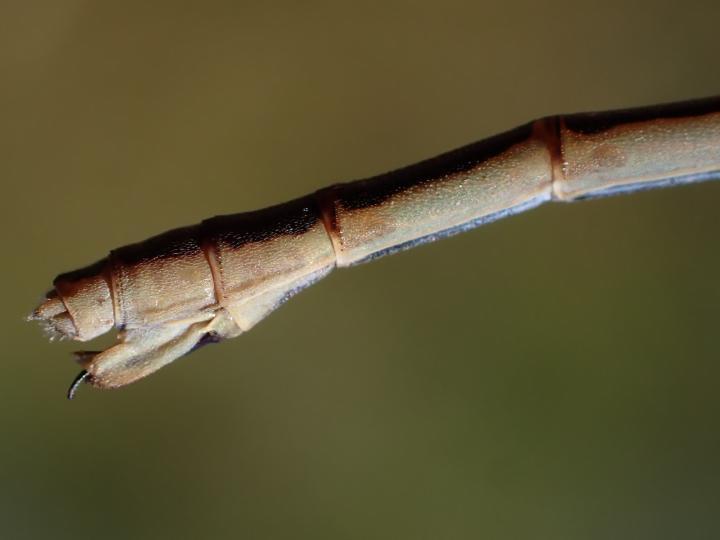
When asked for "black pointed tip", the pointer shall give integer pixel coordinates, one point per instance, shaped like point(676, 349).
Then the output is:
point(76, 383)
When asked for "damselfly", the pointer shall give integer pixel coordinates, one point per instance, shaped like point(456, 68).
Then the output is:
point(215, 280)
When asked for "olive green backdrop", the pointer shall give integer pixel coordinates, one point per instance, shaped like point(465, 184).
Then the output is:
point(553, 375)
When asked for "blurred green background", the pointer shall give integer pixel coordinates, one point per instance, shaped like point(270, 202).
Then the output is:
point(553, 375)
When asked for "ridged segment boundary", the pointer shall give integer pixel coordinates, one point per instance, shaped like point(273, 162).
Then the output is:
point(551, 128)
point(211, 256)
point(326, 203)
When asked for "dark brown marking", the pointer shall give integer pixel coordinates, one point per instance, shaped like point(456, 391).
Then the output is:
point(292, 218)
point(173, 243)
point(374, 191)
point(597, 122)
point(89, 271)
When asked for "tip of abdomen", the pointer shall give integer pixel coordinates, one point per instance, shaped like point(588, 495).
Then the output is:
point(54, 317)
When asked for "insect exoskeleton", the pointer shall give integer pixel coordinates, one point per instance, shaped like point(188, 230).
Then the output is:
point(79, 306)
point(186, 287)
point(217, 279)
